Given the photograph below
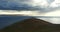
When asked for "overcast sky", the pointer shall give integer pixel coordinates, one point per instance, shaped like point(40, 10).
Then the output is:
point(31, 8)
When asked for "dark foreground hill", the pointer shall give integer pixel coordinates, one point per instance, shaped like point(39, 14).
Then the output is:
point(32, 25)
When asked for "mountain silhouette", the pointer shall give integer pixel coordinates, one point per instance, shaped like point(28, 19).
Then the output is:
point(31, 25)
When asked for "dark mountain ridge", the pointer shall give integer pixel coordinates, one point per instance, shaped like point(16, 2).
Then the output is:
point(32, 25)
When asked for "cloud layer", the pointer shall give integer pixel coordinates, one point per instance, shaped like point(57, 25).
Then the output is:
point(31, 8)
point(42, 5)
point(28, 4)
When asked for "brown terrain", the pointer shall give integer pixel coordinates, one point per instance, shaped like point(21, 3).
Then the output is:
point(32, 25)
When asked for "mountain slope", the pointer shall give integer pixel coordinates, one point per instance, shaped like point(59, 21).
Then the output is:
point(30, 25)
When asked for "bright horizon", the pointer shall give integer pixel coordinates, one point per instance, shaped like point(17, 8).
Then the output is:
point(29, 13)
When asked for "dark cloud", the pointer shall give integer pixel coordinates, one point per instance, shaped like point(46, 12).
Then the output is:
point(20, 5)
point(14, 5)
point(11, 5)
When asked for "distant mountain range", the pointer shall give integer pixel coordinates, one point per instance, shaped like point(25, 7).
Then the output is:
point(32, 25)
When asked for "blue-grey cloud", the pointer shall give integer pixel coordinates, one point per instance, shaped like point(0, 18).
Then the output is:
point(15, 5)
point(18, 5)
point(50, 1)
point(26, 5)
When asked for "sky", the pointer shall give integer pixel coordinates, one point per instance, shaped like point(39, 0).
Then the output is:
point(31, 8)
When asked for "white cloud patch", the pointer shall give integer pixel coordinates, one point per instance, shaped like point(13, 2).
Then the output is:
point(52, 20)
point(56, 3)
point(42, 3)
point(30, 13)
point(52, 13)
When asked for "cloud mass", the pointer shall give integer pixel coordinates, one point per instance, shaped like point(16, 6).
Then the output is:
point(31, 8)
point(38, 7)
